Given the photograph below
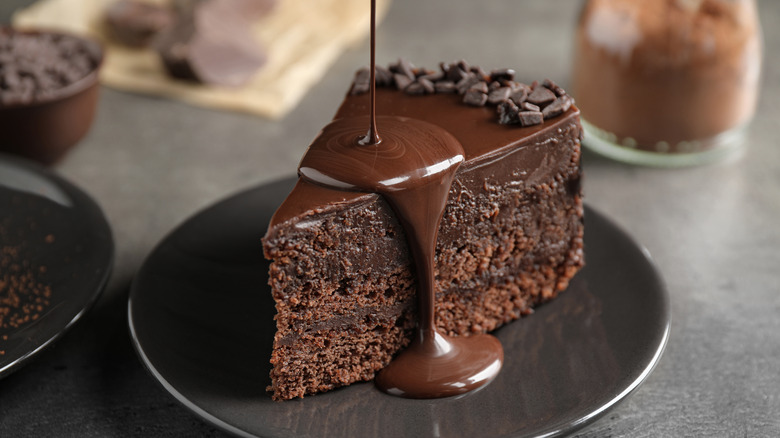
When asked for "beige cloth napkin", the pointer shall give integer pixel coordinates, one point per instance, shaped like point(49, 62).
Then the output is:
point(302, 38)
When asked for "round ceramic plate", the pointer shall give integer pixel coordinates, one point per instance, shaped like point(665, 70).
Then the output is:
point(56, 253)
point(201, 317)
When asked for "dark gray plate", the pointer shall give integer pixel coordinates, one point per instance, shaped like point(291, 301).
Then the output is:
point(201, 317)
point(66, 242)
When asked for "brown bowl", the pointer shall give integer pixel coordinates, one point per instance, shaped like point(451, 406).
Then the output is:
point(46, 129)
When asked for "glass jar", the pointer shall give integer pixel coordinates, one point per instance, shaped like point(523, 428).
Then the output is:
point(667, 82)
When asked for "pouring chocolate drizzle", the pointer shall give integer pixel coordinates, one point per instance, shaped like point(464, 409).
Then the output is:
point(412, 166)
point(372, 138)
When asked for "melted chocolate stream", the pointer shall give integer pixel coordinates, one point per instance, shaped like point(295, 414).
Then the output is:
point(372, 138)
point(412, 166)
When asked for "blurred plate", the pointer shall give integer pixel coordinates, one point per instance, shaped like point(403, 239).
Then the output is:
point(56, 254)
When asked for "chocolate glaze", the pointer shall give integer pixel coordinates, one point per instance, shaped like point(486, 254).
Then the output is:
point(413, 167)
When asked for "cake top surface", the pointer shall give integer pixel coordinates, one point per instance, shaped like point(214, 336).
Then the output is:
point(480, 129)
point(476, 128)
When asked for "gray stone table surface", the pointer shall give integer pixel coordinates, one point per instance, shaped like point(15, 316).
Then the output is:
point(713, 231)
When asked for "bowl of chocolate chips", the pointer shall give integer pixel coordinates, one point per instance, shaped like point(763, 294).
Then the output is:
point(48, 92)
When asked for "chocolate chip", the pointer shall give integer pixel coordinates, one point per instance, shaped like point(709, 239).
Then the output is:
point(499, 94)
point(481, 74)
point(383, 76)
point(528, 106)
point(557, 107)
point(426, 84)
point(463, 65)
point(517, 103)
point(530, 118)
point(508, 113)
point(402, 81)
point(552, 86)
point(504, 74)
point(445, 87)
point(541, 96)
point(475, 98)
point(415, 88)
point(455, 73)
point(420, 72)
point(433, 76)
point(519, 96)
point(464, 84)
point(480, 86)
point(361, 83)
point(403, 67)
point(518, 86)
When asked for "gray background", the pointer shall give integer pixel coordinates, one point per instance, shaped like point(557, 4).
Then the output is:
point(713, 231)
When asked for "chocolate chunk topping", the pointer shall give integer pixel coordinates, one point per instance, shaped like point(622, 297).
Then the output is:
point(384, 77)
point(453, 72)
point(475, 97)
point(517, 103)
point(557, 107)
point(433, 76)
point(420, 72)
point(519, 96)
point(402, 81)
point(481, 74)
point(530, 118)
point(463, 65)
point(552, 86)
point(541, 96)
point(362, 82)
point(508, 113)
point(427, 84)
point(528, 106)
point(479, 86)
point(445, 87)
point(403, 67)
point(415, 88)
point(465, 84)
point(504, 74)
point(499, 94)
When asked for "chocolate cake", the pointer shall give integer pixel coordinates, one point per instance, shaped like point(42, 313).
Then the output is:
point(510, 237)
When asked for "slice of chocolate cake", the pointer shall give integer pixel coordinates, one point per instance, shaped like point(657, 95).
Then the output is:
point(510, 238)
